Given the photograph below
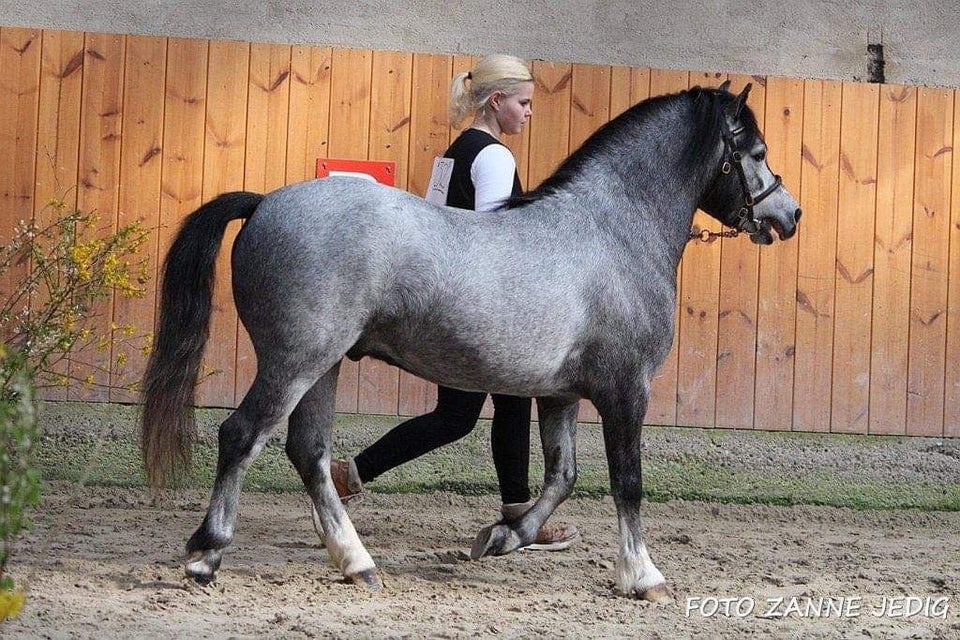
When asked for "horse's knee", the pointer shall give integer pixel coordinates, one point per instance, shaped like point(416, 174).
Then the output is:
point(304, 456)
point(235, 439)
point(564, 478)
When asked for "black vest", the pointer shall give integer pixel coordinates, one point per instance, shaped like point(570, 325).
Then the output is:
point(464, 151)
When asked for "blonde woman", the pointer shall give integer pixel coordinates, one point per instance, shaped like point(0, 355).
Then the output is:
point(498, 92)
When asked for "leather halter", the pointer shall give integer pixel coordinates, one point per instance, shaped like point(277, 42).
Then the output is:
point(733, 159)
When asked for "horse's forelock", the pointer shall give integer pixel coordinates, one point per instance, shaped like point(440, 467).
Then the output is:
point(708, 110)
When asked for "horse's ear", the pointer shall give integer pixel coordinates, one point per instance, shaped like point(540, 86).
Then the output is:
point(735, 107)
point(725, 86)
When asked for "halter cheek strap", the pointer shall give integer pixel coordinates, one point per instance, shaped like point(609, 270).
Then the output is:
point(746, 221)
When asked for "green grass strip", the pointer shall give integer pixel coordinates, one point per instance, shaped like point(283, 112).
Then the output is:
point(466, 468)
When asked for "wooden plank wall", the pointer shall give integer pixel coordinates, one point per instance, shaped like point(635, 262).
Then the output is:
point(853, 326)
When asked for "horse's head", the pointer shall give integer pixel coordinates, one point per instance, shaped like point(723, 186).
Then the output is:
point(745, 194)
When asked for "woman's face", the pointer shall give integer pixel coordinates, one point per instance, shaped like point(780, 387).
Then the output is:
point(513, 111)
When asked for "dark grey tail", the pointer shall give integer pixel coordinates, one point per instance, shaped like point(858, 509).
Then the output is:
point(168, 425)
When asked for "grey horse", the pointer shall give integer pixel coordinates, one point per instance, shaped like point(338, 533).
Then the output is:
point(566, 292)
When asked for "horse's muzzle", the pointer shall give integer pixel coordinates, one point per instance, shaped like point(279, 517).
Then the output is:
point(785, 229)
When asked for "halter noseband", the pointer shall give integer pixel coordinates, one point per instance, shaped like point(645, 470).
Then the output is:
point(746, 221)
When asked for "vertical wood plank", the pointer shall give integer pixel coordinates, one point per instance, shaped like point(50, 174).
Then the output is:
point(184, 108)
point(139, 199)
point(776, 316)
point(697, 321)
point(930, 262)
point(268, 106)
point(818, 249)
point(893, 249)
point(349, 136)
point(223, 170)
point(20, 58)
point(639, 84)
point(590, 97)
point(854, 277)
point(429, 137)
point(589, 102)
point(309, 117)
point(58, 141)
point(621, 85)
point(58, 128)
point(429, 125)
point(99, 170)
point(662, 408)
point(20, 62)
point(550, 127)
point(549, 137)
point(737, 312)
point(390, 112)
point(951, 399)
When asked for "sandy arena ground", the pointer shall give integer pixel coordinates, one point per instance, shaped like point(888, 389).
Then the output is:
point(105, 562)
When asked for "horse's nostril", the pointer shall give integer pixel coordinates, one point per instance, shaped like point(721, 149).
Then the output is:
point(797, 214)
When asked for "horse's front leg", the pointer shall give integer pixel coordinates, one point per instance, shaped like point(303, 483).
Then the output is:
point(622, 418)
point(558, 434)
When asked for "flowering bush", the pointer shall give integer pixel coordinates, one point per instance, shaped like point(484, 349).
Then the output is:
point(57, 272)
point(70, 263)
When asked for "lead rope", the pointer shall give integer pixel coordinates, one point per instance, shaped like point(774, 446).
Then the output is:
point(705, 235)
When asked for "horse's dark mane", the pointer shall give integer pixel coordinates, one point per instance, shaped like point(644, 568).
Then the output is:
point(707, 105)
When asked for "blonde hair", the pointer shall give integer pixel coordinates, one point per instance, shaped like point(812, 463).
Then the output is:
point(491, 74)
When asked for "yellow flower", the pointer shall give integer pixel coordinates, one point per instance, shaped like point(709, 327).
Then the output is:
point(11, 602)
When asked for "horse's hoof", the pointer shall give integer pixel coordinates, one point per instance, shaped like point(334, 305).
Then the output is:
point(366, 578)
point(657, 594)
point(202, 566)
point(494, 540)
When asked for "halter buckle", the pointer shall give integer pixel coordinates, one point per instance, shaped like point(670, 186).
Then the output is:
point(746, 222)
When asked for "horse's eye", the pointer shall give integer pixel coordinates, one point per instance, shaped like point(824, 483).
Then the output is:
point(760, 156)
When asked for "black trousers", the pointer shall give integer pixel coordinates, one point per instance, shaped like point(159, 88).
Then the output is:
point(455, 416)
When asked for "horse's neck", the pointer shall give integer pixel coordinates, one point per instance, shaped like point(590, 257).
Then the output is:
point(642, 208)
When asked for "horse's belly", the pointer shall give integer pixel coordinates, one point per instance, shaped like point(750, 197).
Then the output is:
point(473, 365)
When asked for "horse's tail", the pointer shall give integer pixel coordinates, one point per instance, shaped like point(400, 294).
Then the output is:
point(168, 425)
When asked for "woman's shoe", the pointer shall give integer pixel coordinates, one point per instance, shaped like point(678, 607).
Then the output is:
point(554, 537)
point(346, 480)
point(551, 536)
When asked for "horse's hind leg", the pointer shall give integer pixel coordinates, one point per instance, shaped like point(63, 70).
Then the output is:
point(308, 447)
point(242, 436)
point(558, 434)
point(622, 421)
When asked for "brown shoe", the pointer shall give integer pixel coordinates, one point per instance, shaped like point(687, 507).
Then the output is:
point(346, 479)
point(554, 537)
point(551, 536)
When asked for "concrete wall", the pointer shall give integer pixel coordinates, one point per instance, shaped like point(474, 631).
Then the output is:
point(802, 38)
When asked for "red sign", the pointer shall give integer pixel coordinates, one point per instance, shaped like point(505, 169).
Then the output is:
point(382, 172)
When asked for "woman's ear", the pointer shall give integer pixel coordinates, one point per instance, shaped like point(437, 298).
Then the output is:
point(494, 100)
